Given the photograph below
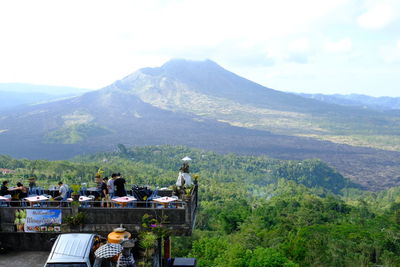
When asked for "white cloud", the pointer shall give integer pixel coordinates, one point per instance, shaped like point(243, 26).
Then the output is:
point(299, 45)
point(342, 46)
point(377, 16)
point(390, 53)
point(92, 43)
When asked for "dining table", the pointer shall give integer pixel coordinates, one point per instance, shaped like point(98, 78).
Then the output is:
point(36, 199)
point(123, 201)
point(165, 201)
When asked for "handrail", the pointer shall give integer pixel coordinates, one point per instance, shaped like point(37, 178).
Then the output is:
point(91, 204)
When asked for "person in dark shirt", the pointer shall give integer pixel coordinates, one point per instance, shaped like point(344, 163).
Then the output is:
point(119, 185)
point(105, 197)
point(4, 189)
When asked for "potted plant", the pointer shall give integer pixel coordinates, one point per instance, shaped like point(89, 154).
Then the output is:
point(75, 191)
point(196, 178)
point(75, 221)
point(147, 241)
point(188, 193)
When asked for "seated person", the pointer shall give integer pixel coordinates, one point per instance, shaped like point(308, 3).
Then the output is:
point(6, 191)
point(23, 191)
point(63, 191)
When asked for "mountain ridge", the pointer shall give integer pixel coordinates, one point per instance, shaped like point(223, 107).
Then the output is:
point(382, 103)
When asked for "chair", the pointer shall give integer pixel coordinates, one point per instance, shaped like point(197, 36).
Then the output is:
point(131, 204)
point(32, 192)
point(44, 204)
point(83, 191)
point(24, 203)
point(4, 203)
point(173, 204)
point(152, 196)
point(64, 201)
point(39, 191)
point(84, 204)
point(69, 193)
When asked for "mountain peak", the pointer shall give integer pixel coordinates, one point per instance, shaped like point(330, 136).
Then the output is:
point(184, 63)
point(177, 66)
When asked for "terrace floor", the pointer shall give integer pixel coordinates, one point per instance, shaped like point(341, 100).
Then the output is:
point(24, 258)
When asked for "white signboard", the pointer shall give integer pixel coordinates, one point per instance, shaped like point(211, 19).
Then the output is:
point(42, 220)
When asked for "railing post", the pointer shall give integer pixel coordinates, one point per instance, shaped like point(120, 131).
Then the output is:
point(167, 247)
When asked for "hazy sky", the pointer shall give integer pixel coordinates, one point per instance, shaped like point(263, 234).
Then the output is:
point(324, 46)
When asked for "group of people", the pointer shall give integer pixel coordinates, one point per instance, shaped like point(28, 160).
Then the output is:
point(111, 187)
point(107, 187)
point(19, 192)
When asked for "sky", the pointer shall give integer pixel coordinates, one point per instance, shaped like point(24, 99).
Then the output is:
point(309, 46)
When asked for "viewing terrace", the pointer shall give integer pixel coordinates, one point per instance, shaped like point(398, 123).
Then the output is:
point(176, 215)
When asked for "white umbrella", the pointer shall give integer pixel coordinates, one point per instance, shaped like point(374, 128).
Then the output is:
point(186, 159)
point(108, 250)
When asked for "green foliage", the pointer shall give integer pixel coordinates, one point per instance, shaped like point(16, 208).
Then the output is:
point(75, 133)
point(75, 188)
point(267, 257)
point(155, 225)
point(75, 220)
point(254, 211)
point(207, 250)
point(147, 240)
point(233, 214)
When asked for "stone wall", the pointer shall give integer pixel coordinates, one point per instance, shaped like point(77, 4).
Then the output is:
point(179, 220)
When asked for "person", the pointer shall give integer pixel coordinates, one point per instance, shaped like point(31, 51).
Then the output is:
point(105, 197)
point(119, 186)
point(23, 191)
point(8, 191)
point(184, 178)
point(110, 185)
point(99, 183)
point(185, 168)
point(4, 189)
point(63, 189)
point(32, 182)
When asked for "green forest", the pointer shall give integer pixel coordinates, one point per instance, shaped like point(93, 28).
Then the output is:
point(254, 211)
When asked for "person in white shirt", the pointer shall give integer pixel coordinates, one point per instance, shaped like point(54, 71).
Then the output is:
point(184, 178)
point(63, 191)
point(110, 185)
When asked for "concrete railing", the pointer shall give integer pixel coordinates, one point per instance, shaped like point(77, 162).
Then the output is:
point(179, 217)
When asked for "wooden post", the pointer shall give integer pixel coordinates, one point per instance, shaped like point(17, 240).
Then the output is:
point(167, 247)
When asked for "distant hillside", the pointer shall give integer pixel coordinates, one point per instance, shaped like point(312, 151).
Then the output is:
point(383, 103)
point(43, 89)
point(14, 95)
point(201, 105)
point(139, 165)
